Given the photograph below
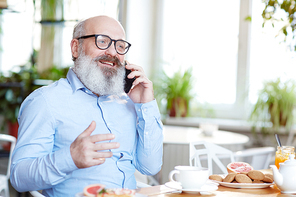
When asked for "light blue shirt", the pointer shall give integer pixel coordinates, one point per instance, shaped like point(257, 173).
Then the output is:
point(52, 117)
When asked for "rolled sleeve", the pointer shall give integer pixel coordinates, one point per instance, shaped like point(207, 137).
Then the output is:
point(150, 143)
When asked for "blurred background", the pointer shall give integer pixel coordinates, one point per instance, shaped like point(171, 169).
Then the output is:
point(209, 62)
point(229, 64)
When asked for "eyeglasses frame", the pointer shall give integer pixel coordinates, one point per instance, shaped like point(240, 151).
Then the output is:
point(112, 40)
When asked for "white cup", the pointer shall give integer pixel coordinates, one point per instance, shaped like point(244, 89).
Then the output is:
point(190, 177)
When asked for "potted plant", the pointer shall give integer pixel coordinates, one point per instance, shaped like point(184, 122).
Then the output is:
point(16, 86)
point(176, 92)
point(275, 105)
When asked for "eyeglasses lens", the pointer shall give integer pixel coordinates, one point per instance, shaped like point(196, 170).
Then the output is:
point(104, 42)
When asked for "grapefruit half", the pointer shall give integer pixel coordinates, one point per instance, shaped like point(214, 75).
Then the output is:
point(238, 167)
point(92, 190)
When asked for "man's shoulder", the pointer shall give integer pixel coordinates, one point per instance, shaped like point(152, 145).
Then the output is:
point(58, 88)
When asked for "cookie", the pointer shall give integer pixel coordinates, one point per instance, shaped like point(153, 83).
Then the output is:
point(268, 178)
point(216, 177)
point(257, 181)
point(269, 175)
point(242, 178)
point(229, 178)
point(244, 173)
point(256, 175)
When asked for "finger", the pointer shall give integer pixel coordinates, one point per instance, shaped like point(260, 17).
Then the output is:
point(145, 82)
point(136, 74)
point(98, 161)
point(102, 137)
point(134, 67)
point(98, 155)
point(106, 146)
point(94, 161)
point(88, 130)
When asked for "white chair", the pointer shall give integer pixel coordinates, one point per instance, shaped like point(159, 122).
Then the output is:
point(4, 178)
point(258, 158)
point(36, 194)
point(202, 150)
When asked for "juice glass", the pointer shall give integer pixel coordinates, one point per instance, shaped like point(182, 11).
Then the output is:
point(282, 154)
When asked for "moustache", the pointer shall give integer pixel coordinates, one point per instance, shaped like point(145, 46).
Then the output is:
point(112, 59)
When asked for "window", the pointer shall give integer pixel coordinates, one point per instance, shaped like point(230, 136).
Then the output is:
point(206, 37)
point(269, 59)
point(16, 36)
point(22, 30)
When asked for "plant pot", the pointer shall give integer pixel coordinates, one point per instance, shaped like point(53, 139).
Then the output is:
point(282, 121)
point(12, 130)
point(179, 107)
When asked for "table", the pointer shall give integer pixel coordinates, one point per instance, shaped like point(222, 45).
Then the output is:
point(163, 191)
point(185, 135)
point(176, 145)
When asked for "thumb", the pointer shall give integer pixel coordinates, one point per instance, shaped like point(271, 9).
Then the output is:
point(89, 129)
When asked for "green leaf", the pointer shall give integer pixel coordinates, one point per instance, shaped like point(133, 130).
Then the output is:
point(248, 18)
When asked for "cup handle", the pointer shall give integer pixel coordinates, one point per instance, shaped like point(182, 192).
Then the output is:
point(171, 175)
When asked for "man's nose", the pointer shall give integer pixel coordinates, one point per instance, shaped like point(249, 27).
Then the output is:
point(111, 50)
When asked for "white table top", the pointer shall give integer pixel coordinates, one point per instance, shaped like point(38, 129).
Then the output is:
point(185, 135)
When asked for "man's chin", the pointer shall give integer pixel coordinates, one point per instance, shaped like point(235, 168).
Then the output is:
point(108, 72)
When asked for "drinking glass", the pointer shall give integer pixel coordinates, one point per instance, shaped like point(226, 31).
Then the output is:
point(282, 154)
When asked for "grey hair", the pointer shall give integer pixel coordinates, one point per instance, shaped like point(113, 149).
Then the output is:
point(79, 31)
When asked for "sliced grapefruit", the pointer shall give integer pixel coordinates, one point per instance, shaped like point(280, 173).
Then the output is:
point(239, 167)
point(92, 190)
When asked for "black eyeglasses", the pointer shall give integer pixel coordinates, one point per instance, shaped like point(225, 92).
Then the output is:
point(103, 42)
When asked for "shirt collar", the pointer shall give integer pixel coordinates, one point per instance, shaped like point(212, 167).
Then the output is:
point(75, 83)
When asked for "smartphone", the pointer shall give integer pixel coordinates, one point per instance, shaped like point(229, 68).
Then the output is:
point(128, 83)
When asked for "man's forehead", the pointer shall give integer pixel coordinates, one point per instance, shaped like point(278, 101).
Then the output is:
point(104, 25)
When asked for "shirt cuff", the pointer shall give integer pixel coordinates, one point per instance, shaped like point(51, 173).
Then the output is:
point(150, 108)
point(63, 160)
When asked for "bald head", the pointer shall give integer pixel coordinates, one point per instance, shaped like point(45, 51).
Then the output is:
point(98, 25)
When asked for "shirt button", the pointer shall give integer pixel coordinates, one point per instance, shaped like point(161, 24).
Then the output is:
point(139, 110)
point(146, 133)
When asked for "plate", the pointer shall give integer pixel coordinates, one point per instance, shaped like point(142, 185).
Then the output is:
point(244, 185)
point(136, 195)
point(80, 195)
point(208, 187)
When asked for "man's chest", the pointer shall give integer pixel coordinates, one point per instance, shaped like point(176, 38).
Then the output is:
point(117, 117)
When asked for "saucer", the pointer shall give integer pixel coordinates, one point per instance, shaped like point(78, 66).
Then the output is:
point(136, 195)
point(208, 187)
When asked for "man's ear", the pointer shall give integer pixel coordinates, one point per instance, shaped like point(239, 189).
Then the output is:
point(74, 47)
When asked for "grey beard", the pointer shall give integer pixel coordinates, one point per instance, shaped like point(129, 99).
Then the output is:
point(99, 80)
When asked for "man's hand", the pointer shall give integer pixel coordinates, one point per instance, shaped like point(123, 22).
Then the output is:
point(142, 90)
point(86, 152)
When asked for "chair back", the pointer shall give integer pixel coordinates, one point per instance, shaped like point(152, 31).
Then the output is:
point(36, 194)
point(259, 158)
point(12, 140)
point(201, 150)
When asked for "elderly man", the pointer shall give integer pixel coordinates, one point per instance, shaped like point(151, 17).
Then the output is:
point(84, 129)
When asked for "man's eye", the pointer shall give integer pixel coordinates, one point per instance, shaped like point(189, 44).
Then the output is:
point(102, 41)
